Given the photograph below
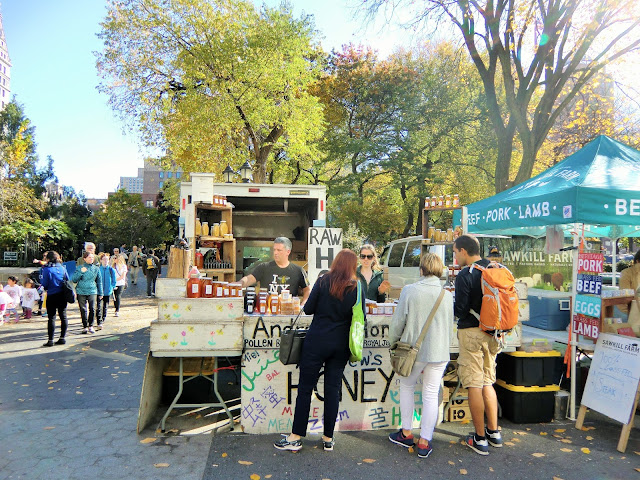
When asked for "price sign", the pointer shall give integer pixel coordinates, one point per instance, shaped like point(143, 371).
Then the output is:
point(590, 263)
point(587, 326)
point(589, 306)
point(589, 284)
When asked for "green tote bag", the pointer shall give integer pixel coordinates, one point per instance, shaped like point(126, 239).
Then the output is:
point(356, 333)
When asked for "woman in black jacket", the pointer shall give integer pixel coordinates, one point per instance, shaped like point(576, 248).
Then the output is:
point(326, 345)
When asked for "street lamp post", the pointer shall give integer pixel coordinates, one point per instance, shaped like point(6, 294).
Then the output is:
point(228, 174)
point(245, 172)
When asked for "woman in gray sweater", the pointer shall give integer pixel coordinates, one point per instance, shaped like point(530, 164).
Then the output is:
point(415, 304)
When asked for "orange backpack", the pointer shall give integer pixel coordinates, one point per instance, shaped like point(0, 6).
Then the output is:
point(499, 309)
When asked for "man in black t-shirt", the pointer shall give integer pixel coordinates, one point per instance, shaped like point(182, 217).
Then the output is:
point(279, 273)
point(478, 350)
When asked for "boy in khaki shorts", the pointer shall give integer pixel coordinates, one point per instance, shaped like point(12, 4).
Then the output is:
point(478, 350)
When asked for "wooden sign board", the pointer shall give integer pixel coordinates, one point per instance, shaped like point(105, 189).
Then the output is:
point(612, 384)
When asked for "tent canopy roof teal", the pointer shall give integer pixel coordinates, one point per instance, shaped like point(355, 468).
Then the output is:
point(598, 186)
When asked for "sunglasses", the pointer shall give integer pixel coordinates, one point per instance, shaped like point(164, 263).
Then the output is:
point(369, 257)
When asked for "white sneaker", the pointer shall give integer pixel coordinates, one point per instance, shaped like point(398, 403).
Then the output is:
point(85, 330)
point(98, 327)
point(91, 330)
point(116, 314)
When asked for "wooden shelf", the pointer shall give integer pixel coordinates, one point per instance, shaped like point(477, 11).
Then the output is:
point(440, 209)
point(427, 244)
point(219, 270)
point(210, 206)
point(215, 239)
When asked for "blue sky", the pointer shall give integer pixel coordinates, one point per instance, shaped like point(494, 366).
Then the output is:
point(53, 75)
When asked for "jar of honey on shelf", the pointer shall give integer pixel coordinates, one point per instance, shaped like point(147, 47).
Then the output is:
point(207, 287)
point(193, 286)
point(205, 229)
point(224, 228)
point(456, 200)
point(215, 230)
point(447, 201)
point(198, 227)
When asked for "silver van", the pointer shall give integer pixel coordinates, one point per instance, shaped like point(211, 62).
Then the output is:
point(401, 258)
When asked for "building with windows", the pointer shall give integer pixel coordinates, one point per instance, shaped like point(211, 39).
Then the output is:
point(5, 69)
point(150, 180)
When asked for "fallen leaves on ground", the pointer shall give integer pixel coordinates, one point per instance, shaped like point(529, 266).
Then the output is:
point(411, 450)
point(538, 455)
point(268, 476)
point(560, 430)
point(585, 450)
point(637, 453)
point(463, 471)
point(565, 440)
point(161, 465)
point(491, 469)
point(368, 460)
point(567, 450)
point(49, 428)
point(465, 421)
point(557, 478)
point(52, 381)
point(511, 444)
point(244, 462)
point(451, 463)
point(520, 433)
point(589, 437)
point(543, 433)
point(586, 429)
point(224, 455)
point(254, 476)
point(148, 440)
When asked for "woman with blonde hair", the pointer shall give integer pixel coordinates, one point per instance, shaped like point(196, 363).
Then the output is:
point(120, 265)
point(370, 275)
point(416, 303)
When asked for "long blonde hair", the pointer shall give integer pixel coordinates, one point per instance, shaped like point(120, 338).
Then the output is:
point(374, 263)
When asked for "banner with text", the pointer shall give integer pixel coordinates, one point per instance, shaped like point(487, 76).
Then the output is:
point(324, 245)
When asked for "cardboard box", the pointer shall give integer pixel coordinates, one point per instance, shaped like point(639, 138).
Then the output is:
point(613, 328)
point(458, 413)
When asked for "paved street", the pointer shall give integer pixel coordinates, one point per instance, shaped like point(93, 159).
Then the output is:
point(70, 412)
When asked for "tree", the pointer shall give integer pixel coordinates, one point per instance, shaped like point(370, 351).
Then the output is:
point(125, 219)
point(213, 81)
point(395, 130)
point(18, 173)
point(526, 52)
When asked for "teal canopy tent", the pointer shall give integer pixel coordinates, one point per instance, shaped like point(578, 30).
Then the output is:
point(594, 193)
point(598, 186)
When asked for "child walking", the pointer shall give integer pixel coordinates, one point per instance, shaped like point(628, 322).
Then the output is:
point(29, 297)
point(5, 301)
point(15, 293)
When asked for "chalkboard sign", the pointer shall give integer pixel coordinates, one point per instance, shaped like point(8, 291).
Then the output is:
point(613, 377)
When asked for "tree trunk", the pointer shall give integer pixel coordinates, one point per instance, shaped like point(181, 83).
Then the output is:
point(505, 152)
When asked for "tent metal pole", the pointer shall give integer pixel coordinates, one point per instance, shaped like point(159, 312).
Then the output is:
point(613, 261)
point(574, 337)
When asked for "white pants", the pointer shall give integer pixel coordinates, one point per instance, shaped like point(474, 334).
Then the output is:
point(431, 377)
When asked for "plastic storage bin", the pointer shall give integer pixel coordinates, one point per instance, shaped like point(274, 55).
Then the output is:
point(528, 369)
point(526, 404)
point(548, 309)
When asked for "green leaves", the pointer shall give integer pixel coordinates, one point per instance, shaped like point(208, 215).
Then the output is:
point(215, 82)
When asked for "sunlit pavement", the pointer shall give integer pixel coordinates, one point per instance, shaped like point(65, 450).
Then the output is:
point(70, 412)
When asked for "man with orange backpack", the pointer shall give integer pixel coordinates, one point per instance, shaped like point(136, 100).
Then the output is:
point(479, 345)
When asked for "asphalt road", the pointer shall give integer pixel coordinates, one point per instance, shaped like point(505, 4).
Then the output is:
point(70, 412)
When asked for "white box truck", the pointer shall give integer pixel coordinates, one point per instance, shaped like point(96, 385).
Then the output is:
point(260, 213)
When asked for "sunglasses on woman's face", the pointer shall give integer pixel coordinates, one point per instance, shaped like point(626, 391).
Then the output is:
point(368, 257)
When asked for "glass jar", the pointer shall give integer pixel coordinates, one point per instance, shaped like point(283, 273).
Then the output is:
point(225, 289)
point(434, 201)
point(198, 227)
point(193, 287)
point(215, 232)
point(456, 200)
point(205, 229)
point(207, 288)
point(447, 201)
point(224, 228)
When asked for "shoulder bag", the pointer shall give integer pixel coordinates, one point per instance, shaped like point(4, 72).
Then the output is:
point(67, 289)
point(291, 342)
point(356, 332)
point(403, 355)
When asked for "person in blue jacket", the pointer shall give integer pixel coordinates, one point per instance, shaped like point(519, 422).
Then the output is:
point(53, 276)
point(89, 288)
point(108, 274)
